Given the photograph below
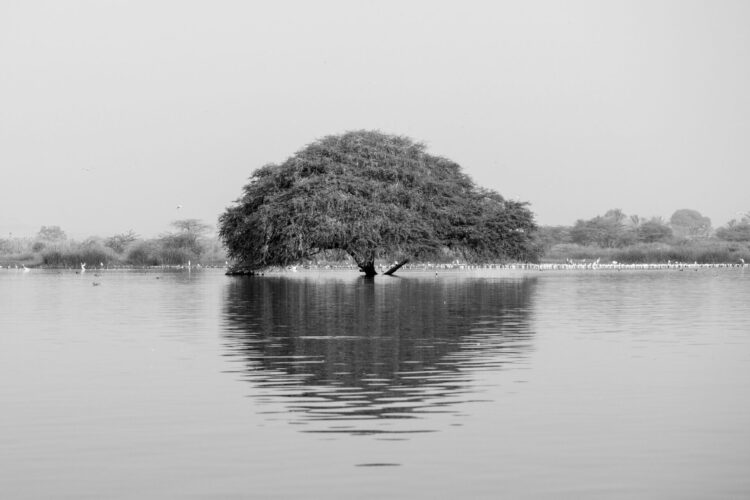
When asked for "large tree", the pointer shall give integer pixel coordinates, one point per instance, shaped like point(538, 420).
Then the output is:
point(372, 196)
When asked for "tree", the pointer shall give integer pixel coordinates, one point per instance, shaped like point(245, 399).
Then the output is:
point(51, 234)
point(191, 226)
point(186, 243)
point(119, 242)
point(735, 230)
point(688, 223)
point(372, 196)
point(653, 230)
point(607, 231)
point(549, 236)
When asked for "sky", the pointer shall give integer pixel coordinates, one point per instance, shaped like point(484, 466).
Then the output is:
point(114, 113)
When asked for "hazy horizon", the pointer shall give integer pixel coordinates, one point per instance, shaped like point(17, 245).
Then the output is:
point(114, 113)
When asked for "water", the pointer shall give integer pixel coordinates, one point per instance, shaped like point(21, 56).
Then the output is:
point(509, 384)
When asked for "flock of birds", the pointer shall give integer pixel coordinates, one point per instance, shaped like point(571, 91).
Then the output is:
point(568, 265)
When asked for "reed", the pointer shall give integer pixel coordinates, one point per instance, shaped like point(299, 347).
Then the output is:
point(73, 254)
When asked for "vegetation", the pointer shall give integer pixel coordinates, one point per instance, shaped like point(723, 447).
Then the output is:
point(614, 236)
point(706, 252)
point(372, 196)
point(736, 230)
point(690, 224)
point(478, 227)
point(189, 242)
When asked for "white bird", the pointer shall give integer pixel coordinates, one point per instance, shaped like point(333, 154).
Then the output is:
point(83, 267)
point(25, 269)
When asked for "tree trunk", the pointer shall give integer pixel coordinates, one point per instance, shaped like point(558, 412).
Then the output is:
point(395, 267)
point(368, 268)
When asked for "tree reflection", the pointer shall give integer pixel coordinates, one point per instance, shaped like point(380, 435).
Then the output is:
point(386, 348)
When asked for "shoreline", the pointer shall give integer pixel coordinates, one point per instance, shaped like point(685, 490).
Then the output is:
point(490, 268)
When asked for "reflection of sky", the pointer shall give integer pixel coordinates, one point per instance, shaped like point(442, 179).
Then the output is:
point(336, 351)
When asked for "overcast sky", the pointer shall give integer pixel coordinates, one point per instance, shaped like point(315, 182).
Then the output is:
point(112, 113)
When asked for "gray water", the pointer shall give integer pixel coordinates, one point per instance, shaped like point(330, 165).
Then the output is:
point(510, 384)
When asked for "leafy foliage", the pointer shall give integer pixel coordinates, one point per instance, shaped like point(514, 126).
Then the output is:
point(735, 231)
point(615, 230)
point(653, 231)
point(184, 245)
point(688, 223)
point(51, 233)
point(371, 195)
point(119, 242)
point(607, 231)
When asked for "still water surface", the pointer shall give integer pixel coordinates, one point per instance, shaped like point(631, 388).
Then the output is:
point(323, 385)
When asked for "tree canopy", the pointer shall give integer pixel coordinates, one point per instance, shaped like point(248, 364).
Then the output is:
point(372, 196)
point(51, 234)
point(736, 230)
point(688, 223)
point(614, 229)
point(185, 244)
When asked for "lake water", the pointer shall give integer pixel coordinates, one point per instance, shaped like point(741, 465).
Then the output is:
point(504, 384)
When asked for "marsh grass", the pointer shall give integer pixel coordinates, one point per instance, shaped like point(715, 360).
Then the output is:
point(71, 254)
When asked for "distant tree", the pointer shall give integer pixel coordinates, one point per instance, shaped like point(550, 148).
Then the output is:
point(119, 242)
point(51, 234)
point(191, 226)
point(186, 243)
point(607, 231)
point(735, 230)
point(6, 246)
point(653, 230)
point(549, 236)
point(596, 231)
point(373, 196)
point(616, 215)
point(687, 223)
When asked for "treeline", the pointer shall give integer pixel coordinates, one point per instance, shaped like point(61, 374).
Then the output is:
point(615, 236)
point(189, 241)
